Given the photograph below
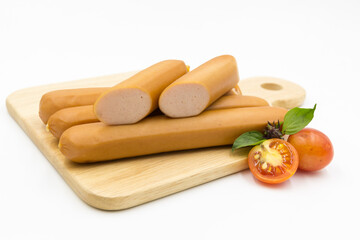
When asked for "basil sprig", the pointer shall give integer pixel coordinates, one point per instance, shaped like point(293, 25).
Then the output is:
point(295, 120)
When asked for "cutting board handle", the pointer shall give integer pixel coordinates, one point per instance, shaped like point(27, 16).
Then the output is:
point(278, 92)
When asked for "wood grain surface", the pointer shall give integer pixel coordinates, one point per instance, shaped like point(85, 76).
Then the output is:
point(125, 183)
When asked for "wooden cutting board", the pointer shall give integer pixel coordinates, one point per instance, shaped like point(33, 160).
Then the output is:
point(129, 182)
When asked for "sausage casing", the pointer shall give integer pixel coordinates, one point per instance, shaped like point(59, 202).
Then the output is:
point(195, 91)
point(95, 142)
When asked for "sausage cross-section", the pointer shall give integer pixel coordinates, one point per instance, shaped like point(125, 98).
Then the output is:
point(96, 142)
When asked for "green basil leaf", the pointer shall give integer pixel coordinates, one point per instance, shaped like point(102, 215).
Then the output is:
point(296, 119)
point(248, 139)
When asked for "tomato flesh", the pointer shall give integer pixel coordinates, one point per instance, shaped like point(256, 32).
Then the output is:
point(273, 161)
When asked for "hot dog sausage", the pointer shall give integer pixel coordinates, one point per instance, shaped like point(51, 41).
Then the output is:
point(194, 92)
point(68, 117)
point(235, 101)
point(53, 101)
point(95, 142)
point(135, 98)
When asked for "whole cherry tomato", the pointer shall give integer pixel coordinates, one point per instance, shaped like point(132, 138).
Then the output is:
point(273, 161)
point(314, 148)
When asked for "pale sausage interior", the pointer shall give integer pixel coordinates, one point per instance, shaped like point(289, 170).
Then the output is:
point(187, 99)
point(123, 106)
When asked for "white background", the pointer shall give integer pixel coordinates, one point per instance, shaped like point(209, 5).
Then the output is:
point(312, 43)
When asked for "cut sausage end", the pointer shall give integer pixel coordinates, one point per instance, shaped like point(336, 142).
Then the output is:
point(184, 100)
point(123, 106)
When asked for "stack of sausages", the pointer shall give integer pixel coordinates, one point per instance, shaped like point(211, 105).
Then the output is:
point(162, 108)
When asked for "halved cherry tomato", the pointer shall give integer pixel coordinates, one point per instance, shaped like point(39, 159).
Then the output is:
point(273, 161)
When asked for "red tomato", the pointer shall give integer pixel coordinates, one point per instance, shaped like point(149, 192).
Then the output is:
point(273, 161)
point(314, 148)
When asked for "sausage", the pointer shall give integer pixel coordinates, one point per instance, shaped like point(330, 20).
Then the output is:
point(96, 142)
point(135, 98)
point(53, 101)
point(68, 117)
point(234, 101)
point(194, 92)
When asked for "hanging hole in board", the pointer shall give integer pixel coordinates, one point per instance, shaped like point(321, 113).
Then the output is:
point(271, 86)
